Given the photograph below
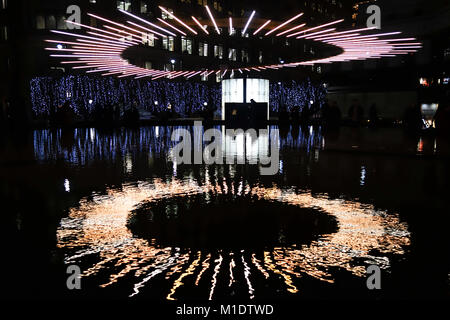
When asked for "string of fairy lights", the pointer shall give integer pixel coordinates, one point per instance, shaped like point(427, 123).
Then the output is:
point(100, 49)
point(88, 94)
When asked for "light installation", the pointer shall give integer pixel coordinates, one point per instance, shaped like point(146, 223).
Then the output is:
point(100, 50)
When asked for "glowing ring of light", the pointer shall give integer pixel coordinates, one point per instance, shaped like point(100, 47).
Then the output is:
point(101, 49)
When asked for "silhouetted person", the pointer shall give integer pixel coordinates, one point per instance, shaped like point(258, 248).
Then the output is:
point(355, 113)
point(442, 117)
point(283, 114)
point(413, 118)
point(373, 115)
point(295, 113)
point(305, 114)
point(64, 115)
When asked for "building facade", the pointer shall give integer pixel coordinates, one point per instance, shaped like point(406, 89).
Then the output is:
point(26, 25)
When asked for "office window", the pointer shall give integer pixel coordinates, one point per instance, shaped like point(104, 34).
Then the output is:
point(218, 51)
point(148, 65)
point(203, 49)
point(50, 22)
point(186, 45)
point(148, 39)
point(61, 24)
point(169, 43)
point(165, 15)
point(144, 8)
point(40, 22)
point(232, 55)
point(244, 56)
point(124, 5)
point(4, 33)
point(169, 67)
point(204, 77)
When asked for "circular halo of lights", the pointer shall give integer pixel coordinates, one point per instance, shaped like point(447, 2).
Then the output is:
point(101, 50)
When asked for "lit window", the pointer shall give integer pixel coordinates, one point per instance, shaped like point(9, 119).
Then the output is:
point(244, 56)
point(169, 43)
point(40, 23)
point(260, 57)
point(186, 45)
point(203, 49)
point(50, 22)
point(169, 67)
point(144, 8)
point(165, 15)
point(92, 1)
point(4, 33)
point(148, 65)
point(124, 5)
point(148, 39)
point(61, 24)
point(232, 56)
point(4, 4)
point(218, 51)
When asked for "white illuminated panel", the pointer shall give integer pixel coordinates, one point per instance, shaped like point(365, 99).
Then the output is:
point(232, 91)
point(258, 90)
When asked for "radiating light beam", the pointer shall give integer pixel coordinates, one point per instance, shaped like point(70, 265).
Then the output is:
point(178, 20)
point(248, 22)
point(146, 29)
point(292, 29)
point(171, 26)
point(148, 22)
point(87, 37)
point(126, 27)
point(200, 25)
point(262, 27)
point(315, 33)
point(285, 23)
point(315, 28)
point(212, 19)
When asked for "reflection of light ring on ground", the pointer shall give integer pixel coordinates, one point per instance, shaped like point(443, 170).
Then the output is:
point(102, 50)
point(97, 228)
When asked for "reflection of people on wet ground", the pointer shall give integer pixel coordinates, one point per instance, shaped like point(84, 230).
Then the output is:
point(413, 118)
point(283, 114)
point(355, 113)
point(295, 113)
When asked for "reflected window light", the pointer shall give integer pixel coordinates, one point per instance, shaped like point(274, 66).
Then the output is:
point(128, 163)
point(281, 166)
point(420, 145)
point(92, 134)
point(362, 180)
point(157, 132)
point(175, 167)
point(67, 185)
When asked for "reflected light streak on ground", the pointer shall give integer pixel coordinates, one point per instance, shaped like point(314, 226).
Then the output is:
point(96, 230)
